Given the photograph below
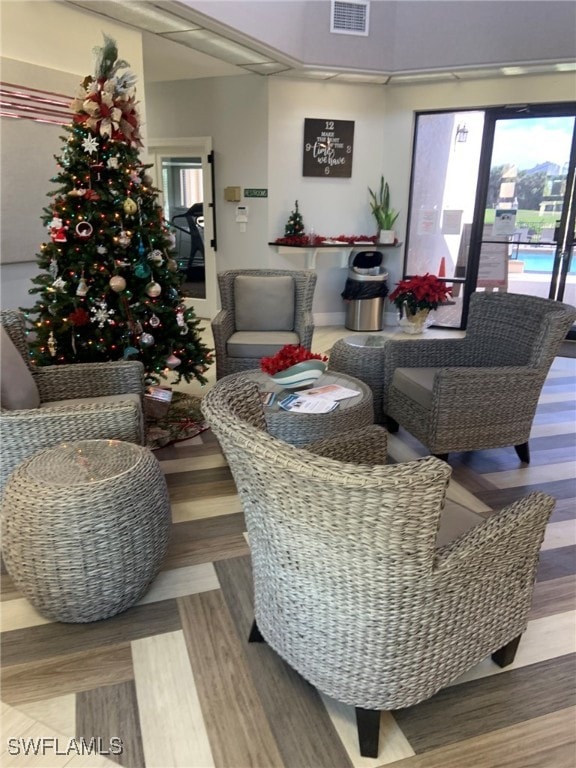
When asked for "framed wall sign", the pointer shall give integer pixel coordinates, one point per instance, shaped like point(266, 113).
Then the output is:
point(328, 147)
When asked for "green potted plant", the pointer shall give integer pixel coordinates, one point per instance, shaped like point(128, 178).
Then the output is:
point(385, 215)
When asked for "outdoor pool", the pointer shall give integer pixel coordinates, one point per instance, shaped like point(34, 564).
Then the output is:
point(539, 260)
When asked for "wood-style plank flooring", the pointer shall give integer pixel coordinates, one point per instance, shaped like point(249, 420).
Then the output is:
point(176, 681)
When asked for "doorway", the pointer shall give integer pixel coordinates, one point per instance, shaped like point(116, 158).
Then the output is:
point(184, 175)
point(492, 203)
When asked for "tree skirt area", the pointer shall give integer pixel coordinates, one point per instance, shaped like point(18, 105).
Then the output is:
point(182, 421)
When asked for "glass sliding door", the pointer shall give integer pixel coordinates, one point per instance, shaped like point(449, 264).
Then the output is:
point(492, 203)
point(529, 206)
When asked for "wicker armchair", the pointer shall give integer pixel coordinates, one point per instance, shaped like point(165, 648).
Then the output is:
point(267, 322)
point(358, 583)
point(105, 401)
point(480, 391)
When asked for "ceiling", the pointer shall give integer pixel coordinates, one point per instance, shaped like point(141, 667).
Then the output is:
point(181, 43)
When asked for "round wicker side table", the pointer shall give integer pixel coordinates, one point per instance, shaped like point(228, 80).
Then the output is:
point(85, 528)
point(362, 356)
point(302, 428)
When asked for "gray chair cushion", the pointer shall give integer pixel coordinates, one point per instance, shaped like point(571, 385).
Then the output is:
point(416, 383)
point(18, 388)
point(454, 521)
point(264, 303)
point(262, 344)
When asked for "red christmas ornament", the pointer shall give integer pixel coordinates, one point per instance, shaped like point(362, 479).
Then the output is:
point(79, 317)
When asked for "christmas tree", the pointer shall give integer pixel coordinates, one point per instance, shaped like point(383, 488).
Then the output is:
point(295, 224)
point(110, 283)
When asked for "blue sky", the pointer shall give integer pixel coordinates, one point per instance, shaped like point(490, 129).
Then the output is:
point(531, 141)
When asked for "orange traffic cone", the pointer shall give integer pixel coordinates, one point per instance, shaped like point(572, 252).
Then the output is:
point(442, 269)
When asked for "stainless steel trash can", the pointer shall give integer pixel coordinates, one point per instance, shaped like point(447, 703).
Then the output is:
point(365, 291)
point(365, 314)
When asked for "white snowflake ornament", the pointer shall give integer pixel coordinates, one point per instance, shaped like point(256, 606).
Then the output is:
point(101, 314)
point(90, 144)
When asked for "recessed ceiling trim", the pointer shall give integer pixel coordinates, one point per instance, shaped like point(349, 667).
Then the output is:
point(271, 68)
point(208, 42)
point(136, 13)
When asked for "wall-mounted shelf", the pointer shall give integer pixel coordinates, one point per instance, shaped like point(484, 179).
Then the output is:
point(344, 249)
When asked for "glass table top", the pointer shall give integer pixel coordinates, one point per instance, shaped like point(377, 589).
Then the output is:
point(84, 462)
point(366, 340)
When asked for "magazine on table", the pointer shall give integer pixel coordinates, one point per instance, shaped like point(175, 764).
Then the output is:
point(304, 404)
point(332, 392)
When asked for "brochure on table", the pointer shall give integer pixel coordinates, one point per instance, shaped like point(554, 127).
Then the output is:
point(332, 392)
point(321, 399)
point(303, 404)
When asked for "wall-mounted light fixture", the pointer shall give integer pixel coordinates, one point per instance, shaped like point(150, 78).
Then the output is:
point(461, 134)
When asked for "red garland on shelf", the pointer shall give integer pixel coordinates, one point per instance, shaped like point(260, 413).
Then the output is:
point(351, 239)
point(303, 240)
point(299, 240)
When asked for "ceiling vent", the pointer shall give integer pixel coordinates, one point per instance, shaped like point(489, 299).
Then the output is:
point(350, 17)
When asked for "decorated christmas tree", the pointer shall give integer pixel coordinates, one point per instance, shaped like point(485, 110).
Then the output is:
point(295, 224)
point(110, 283)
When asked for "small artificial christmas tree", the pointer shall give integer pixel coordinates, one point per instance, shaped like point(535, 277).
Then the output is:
point(110, 287)
point(295, 224)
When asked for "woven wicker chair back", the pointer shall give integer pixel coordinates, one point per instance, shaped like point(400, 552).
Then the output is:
point(369, 503)
point(514, 329)
point(349, 586)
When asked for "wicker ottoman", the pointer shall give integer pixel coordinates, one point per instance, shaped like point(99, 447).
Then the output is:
point(85, 527)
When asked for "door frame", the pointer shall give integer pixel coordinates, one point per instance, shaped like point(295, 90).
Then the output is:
point(199, 146)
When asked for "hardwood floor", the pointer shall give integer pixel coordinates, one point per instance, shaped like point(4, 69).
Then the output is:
point(174, 679)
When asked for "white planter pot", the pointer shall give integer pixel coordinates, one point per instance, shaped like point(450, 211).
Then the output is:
point(387, 237)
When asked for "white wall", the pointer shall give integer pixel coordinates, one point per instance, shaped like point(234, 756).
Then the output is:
point(332, 206)
point(234, 112)
point(257, 126)
point(62, 37)
point(28, 164)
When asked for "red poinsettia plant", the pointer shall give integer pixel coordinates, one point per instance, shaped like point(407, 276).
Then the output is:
point(289, 355)
point(420, 292)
